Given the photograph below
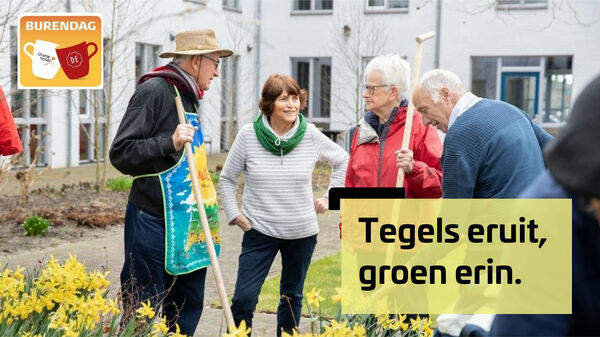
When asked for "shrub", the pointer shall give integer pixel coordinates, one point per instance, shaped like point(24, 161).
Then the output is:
point(119, 184)
point(36, 226)
point(214, 177)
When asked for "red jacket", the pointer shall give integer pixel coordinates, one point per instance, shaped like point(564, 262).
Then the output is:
point(9, 138)
point(366, 168)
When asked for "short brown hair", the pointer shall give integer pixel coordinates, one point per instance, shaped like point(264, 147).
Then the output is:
point(275, 85)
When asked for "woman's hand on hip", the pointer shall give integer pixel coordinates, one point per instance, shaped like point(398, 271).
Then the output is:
point(243, 222)
point(321, 205)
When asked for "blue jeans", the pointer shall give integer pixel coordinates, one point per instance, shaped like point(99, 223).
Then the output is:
point(144, 277)
point(258, 252)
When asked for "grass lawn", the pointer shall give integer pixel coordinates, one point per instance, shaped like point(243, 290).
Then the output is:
point(323, 274)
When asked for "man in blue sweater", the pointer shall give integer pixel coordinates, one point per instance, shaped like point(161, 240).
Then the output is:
point(491, 150)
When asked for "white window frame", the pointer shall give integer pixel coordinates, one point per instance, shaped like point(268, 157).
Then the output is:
point(229, 80)
point(26, 120)
point(88, 118)
point(385, 8)
point(541, 70)
point(312, 9)
point(143, 57)
point(314, 88)
point(235, 8)
point(197, 2)
point(522, 5)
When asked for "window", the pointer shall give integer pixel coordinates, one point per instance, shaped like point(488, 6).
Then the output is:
point(521, 61)
point(483, 76)
point(146, 58)
point(92, 122)
point(386, 5)
point(231, 4)
point(229, 100)
point(313, 5)
point(559, 83)
point(314, 74)
point(30, 111)
point(199, 2)
point(519, 4)
point(539, 85)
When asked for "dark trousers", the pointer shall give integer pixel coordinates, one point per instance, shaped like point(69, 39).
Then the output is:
point(144, 277)
point(258, 252)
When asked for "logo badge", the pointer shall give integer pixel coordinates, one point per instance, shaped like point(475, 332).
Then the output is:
point(60, 50)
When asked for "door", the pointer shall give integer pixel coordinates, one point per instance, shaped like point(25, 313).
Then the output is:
point(521, 90)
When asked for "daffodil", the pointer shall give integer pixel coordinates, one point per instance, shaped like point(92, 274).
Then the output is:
point(145, 311)
point(314, 298)
point(160, 327)
point(240, 331)
point(338, 295)
point(177, 332)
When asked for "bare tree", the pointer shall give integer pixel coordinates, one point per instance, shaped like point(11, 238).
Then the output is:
point(354, 37)
point(120, 27)
point(562, 11)
point(240, 30)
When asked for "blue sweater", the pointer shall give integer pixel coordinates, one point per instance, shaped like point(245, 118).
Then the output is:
point(491, 151)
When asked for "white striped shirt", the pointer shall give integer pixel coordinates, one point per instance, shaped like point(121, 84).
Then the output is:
point(278, 195)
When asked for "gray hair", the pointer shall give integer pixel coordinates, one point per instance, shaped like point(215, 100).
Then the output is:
point(180, 59)
point(434, 80)
point(394, 72)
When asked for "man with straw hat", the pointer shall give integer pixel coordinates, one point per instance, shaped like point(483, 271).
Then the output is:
point(165, 249)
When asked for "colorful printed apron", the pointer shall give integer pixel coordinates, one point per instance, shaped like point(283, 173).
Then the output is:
point(185, 245)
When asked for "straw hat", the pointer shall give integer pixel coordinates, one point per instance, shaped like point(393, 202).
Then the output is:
point(196, 42)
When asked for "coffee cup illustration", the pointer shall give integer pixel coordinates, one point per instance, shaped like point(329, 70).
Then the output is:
point(44, 61)
point(75, 60)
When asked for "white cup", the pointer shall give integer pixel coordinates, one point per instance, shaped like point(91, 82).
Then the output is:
point(44, 62)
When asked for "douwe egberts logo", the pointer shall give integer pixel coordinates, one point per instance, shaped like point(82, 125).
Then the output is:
point(60, 51)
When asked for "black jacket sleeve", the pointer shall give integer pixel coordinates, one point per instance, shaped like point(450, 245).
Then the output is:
point(144, 136)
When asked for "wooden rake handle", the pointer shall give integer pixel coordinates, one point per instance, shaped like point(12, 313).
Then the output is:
point(207, 235)
point(411, 107)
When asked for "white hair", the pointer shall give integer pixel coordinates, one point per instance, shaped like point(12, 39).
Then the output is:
point(180, 59)
point(434, 80)
point(394, 71)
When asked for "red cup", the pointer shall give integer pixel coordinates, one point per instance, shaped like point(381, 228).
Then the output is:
point(75, 60)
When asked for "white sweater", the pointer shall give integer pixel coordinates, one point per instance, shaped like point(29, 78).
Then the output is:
point(278, 195)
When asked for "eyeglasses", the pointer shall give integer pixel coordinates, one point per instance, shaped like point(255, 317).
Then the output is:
point(371, 88)
point(212, 59)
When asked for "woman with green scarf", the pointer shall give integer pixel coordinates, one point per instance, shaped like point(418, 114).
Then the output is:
point(277, 154)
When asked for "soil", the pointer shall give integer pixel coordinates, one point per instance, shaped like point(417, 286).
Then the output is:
point(75, 212)
point(78, 212)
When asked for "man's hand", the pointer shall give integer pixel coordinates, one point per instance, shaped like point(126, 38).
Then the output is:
point(242, 222)
point(184, 133)
point(405, 160)
point(321, 205)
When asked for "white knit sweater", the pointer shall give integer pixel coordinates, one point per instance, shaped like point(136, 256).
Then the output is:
point(278, 195)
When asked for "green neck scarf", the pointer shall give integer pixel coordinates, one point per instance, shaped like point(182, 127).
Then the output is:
point(275, 144)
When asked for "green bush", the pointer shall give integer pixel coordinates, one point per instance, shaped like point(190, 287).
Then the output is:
point(36, 226)
point(214, 177)
point(119, 184)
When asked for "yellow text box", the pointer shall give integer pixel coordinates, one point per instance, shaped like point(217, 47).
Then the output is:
point(463, 256)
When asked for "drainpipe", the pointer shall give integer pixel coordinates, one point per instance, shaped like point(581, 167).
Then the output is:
point(69, 107)
point(257, 17)
point(438, 31)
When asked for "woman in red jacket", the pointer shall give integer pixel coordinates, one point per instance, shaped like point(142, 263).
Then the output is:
point(375, 154)
point(9, 138)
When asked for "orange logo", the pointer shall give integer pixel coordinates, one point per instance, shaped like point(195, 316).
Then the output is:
point(60, 51)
